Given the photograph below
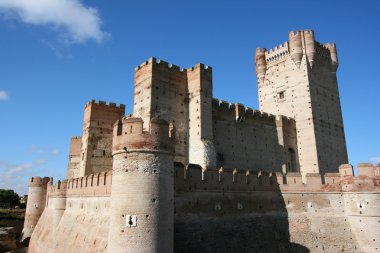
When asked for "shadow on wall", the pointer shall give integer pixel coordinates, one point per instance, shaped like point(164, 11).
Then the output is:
point(224, 222)
point(240, 131)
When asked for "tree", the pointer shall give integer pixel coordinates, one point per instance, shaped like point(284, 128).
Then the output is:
point(9, 197)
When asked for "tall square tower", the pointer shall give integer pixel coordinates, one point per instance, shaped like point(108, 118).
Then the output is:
point(96, 144)
point(298, 79)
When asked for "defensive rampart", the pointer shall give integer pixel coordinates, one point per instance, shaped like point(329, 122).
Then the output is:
point(76, 217)
point(194, 178)
point(229, 207)
point(331, 213)
point(91, 185)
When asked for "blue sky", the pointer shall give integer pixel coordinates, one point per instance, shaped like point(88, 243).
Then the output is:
point(56, 55)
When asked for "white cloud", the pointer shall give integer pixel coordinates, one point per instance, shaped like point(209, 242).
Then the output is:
point(13, 170)
point(55, 151)
point(3, 95)
point(34, 149)
point(16, 176)
point(375, 159)
point(78, 22)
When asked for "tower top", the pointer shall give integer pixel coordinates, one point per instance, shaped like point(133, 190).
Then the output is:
point(128, 134)
point(39, 182)
point(301, 44)
point(103, 104)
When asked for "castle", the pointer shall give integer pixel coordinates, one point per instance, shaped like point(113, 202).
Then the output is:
point(186, 172)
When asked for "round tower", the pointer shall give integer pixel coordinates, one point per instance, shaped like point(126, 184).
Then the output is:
point(142, 208)
point(295, 44)
point(261, 64)
point(333, 55)
point(310, 46)
point(35, 205)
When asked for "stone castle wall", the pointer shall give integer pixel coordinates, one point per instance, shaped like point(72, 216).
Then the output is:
point(247, 138)
point(83, 226)
point(234, 210)
point(272, 222)
point(76, 217)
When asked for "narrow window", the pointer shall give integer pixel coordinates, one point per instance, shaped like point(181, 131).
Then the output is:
point(281, 95)
point(119, 128)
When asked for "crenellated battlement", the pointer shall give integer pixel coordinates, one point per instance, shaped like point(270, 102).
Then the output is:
point(39, 182)
point(94, 184)
point(241, 112)
point(164, 65)
point(261, 66)
point(161, 65)
point(323, 50)
point(201, 66)
point(329, 45)
point(58, 189)
point(128, 134)
point(278, 53)
point(299, 41)
point(194, 178)
point(94, 151)
point(103, 104)
point(295, 33)
point(309, 31)
point(172, 68)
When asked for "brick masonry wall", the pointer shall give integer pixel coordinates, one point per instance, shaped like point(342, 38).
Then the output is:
point(83, 227)
point(250, 212)
point(245, 138)
point(96, 153)
point(161, 91)
point(298, 83)
point(231, 210)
